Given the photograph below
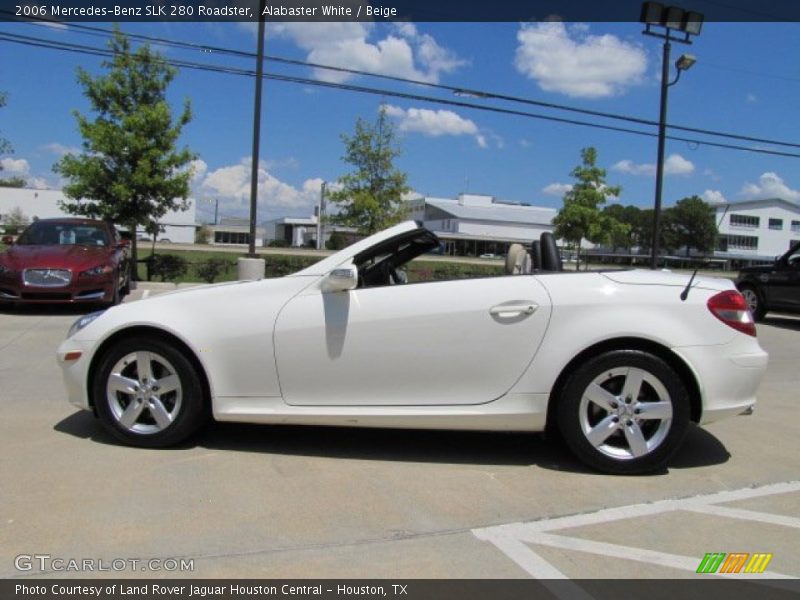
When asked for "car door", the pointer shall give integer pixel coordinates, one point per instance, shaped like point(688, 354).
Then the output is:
point(434, 343)
point(784, 282)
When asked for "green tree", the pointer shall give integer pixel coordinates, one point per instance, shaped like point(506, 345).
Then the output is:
point(202, 235)
point(690, 224)
point(130, 170)
point(16, 221)
point(629, 216)
point(12, 182)
point(371, 197)
point(581, 218)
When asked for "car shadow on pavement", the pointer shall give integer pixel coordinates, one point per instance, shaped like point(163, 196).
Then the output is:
point(426, 446)
point(782, 322)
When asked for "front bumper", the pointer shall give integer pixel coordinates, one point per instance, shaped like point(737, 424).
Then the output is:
point(75, 371)
point(728, 375)
point(82, 291)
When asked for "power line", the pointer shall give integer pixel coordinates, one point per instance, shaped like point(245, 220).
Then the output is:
point(100, 31)
point(91, 50)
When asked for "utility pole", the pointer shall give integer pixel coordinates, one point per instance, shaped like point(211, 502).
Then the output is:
point(320, 215)
point(256, 131)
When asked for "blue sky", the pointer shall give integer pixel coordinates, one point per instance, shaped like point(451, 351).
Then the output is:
point(746, 81)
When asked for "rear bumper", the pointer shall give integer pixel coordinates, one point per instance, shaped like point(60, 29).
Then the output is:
point(728, 375)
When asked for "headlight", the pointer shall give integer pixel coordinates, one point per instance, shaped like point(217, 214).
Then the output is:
point(98, 270)
point(83, 322)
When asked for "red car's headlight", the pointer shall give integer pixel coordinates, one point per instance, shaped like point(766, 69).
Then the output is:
point(98, 271)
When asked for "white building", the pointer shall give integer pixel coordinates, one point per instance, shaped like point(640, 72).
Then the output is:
point(474, 224)
point(301, 231)
point(234, 231)
point(179, 226)
point(757, 229)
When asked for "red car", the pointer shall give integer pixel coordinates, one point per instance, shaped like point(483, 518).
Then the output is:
point(65, 261)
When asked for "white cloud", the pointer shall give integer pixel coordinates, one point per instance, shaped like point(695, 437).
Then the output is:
point(713, 197)
point(572, 62)
point(199, 168)
point(674, 164)
point(232, 183)
point(677, 165)
point(435, 123)
point(556, 189)
point(770, 185)
point(403, 53)
point(61, 149)
point(19, 166)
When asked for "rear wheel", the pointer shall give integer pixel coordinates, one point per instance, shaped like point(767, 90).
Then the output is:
point(754, 302)
point(147, 393)
point(624, 412)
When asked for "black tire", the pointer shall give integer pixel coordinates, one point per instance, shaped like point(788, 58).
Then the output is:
point(655, 439)
point(175, 416)
point(755, 301)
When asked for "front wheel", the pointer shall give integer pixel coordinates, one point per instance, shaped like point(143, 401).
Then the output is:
point(754, 302)
point(624, 412)
point(148, 394)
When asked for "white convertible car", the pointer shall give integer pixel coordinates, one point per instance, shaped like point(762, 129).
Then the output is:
point(619, 362)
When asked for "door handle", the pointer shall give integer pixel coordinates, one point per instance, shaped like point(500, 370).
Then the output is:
point(513, 310)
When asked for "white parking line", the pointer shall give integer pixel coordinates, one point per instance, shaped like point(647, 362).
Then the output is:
point(513, 538)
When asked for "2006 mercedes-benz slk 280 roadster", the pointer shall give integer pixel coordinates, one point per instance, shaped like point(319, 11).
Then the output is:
point(619, 362)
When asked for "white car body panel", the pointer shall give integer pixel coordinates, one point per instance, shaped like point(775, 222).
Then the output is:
point(426, 354)
point(433, 343)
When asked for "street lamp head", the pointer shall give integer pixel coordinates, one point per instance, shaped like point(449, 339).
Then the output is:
point(651, 13)
point(673, 18)
point(692, 22)
point(685, 62)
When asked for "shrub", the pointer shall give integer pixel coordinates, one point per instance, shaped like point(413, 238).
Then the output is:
point(278, 244)
point(208, 270)
point(337, 241)
point(169, 267)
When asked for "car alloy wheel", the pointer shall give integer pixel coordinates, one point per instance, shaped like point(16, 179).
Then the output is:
point(144, 392)
point(624, 411)
point(148, 393)
point(753, 302)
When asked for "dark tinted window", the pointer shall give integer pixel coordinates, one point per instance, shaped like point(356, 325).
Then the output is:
point(51, 233)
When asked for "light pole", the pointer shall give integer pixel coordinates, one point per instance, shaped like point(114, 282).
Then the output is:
point(677, 25)
point(321, 216)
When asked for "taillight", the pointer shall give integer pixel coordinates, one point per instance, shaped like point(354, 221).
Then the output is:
point(731, 308)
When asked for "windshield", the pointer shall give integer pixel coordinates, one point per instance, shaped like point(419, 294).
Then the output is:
point(48, 233)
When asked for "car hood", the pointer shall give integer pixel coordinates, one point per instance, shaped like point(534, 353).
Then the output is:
point(667, 278)
point(75, 258)
point(213, 305)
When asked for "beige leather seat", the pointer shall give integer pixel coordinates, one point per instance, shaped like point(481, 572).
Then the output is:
point(518, 261)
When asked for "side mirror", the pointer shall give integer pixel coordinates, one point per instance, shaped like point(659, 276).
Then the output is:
point(341, 279)
point(8, 240)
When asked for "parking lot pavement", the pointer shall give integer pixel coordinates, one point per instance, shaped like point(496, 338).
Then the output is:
point(269, 501)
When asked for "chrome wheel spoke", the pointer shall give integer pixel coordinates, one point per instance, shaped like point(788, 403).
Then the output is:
point(633, 384)
point(159, 412)
point(143, 366)
point(120, 383)
point(131, 413)
point(167, 384)
point(654, 410)
point(635, 438)
point(600, 432)
point(604, 399)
